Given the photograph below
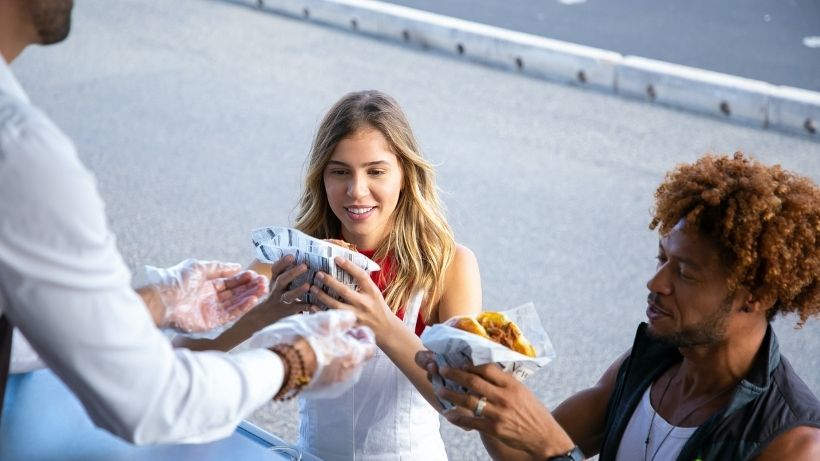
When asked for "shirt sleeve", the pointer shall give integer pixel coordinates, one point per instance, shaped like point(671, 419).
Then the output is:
point(23, 357)
point(64, 284)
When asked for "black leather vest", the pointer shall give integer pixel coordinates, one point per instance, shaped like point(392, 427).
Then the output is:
point(771, 400)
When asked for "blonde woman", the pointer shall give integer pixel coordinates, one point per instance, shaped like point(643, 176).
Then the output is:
point(368, 184)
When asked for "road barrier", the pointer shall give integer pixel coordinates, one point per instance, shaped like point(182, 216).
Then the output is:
point(723, 96)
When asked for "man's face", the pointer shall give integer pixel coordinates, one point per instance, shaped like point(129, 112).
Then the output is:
point(51, 19)
point(689, 303)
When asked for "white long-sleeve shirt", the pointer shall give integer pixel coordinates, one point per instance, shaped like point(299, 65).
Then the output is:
point(64, 285)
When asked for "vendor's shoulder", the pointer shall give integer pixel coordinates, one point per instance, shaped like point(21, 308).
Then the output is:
point(29, 135)
point(16, 115)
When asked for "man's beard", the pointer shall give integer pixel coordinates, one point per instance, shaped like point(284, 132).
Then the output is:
point(709, 331)
point(51, 18)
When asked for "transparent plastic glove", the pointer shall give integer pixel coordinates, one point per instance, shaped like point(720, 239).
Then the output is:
point(341, 348)
point(204, 297)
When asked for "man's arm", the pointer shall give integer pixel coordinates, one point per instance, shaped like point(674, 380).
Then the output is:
point(515, 425)
point(583, 415)
point(800, 443)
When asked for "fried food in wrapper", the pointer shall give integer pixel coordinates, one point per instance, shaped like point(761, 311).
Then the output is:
point(457, 348)
point(274, 243)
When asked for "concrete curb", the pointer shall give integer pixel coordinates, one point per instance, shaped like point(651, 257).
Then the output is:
point(723, 96)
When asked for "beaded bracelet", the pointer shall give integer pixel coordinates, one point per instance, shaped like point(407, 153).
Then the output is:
point(297, 378)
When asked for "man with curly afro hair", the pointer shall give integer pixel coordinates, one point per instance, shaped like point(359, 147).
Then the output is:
point(704, 379)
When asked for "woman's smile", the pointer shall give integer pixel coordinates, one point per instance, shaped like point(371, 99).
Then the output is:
point(363, 181)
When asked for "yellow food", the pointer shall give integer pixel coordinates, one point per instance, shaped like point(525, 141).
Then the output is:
point(496, 327)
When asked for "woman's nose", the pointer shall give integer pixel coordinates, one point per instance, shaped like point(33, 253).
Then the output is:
point(358, 187)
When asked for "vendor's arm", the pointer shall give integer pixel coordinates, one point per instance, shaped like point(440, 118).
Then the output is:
point(197, 296)
point(65, 286)
point(281, 303)
point(462, 296)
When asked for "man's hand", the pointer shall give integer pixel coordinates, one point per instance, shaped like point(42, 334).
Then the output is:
point(197, 296)
point(511, 413)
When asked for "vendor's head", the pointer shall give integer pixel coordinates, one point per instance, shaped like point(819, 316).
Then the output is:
point(367, 182)
point(26, 22)
point(738, 238)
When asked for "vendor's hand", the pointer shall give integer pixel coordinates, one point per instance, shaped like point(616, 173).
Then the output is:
point(339, 348)
point(305, 350)
point(283, 302)
point(197, 296)
point(368, 303)
point(511, 414)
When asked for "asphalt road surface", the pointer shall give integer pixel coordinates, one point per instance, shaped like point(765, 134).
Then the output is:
point(777, 41)
point(196, 116)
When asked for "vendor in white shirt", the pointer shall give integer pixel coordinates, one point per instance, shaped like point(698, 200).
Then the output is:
point(64, 286)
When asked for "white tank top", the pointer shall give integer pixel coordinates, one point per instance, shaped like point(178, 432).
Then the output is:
point(382, 418)
point(633, 445)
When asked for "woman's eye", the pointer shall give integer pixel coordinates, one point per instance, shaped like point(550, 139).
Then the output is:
point(377, 172)
point(338, 172)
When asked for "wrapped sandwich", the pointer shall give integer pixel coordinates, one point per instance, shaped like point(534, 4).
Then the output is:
point(274, 243)
point(513, 339)
point(496, 327)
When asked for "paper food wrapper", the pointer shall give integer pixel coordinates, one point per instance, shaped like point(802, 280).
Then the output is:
point(274, 243)
point(458, 348)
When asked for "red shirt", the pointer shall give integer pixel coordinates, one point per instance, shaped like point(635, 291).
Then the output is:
point(382, 282)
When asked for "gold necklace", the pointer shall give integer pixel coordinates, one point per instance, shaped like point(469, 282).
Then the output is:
point(669, 432)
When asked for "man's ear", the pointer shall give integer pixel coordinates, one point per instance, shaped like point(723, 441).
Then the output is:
point(760, 300)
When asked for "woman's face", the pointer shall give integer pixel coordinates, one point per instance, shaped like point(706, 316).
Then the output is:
point(363, 181)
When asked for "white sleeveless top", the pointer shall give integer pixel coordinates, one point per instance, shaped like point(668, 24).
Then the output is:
point(633, 446)
point(383, 417)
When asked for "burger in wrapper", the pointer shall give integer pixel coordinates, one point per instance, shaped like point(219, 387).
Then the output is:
point(274, 243)
point(513, 339)
point(496, 327)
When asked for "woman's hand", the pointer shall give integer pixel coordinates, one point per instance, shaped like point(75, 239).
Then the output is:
point(511, 413)
point(368, 303)
point(283, 302)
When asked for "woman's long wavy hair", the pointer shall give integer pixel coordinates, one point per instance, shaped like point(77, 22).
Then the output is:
point(420, 242)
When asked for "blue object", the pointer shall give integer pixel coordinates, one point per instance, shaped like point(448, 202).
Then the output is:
point(43, 420)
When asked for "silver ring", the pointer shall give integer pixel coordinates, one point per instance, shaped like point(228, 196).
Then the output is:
point(284, 301)
point(479, 407)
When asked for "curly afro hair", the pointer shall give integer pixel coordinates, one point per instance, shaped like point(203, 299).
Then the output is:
point(765, 219)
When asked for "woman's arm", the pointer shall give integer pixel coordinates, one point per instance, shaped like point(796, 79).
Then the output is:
point(462, 287)
point(462, 296)
point(278, 305)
